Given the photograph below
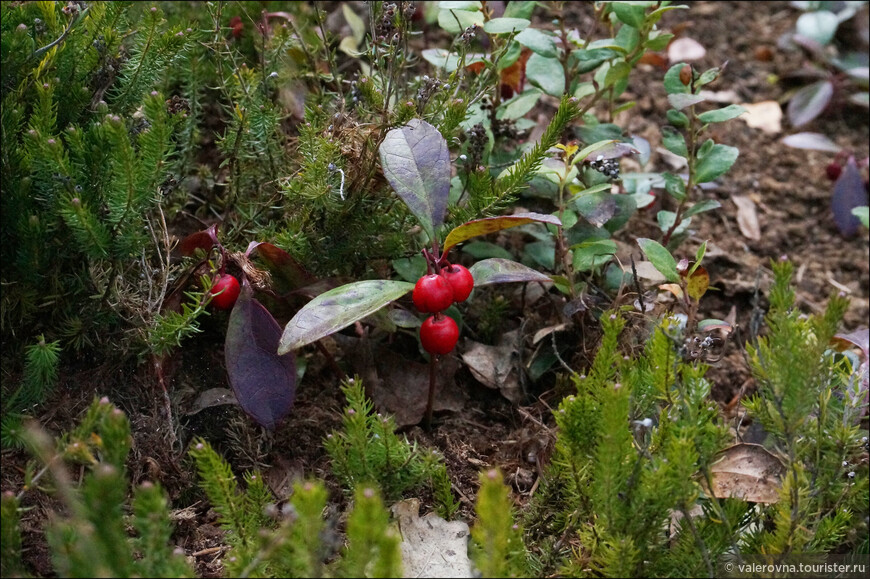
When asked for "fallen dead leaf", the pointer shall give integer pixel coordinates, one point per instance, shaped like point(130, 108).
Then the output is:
point(764, 115)
point(495, 366)
point(747, 217)
point(685, 50)
point(748, 472)
point(400, 386)
point(431, 546)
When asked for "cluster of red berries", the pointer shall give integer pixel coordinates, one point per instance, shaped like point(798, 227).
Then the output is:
point(434, 293)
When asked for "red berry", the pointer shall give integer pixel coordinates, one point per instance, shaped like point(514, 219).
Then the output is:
point(225, 292)
point(460, 280)
point(833, 170)
point(432, 294)
point(439, 334)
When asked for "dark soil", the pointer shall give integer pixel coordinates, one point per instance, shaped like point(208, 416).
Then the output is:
point(788, 186)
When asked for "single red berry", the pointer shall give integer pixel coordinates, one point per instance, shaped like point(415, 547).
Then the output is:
point(225, 292)
point(460, 280)
point(432, 294)
point(439, 334)
point(833, 170)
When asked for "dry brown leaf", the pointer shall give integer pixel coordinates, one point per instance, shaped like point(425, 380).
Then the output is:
point(494, 366)
point(748, 472)
point(747, 217)
point(765, 115)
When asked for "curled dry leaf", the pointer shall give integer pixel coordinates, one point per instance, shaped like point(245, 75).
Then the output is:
point(748, 472)
point(747, 217)
point(494, 367)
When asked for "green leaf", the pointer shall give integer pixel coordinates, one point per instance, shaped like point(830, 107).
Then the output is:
point(681, 101)
point(617, 77)
point(449, 61)
point(863, 214)
point(516, 9)
point(820, 26)
point(538, 42)
point(485, 249)
point(505, 25)
point(416, 163)
point(715, 163)
point(541, 252)
point(674, 141)
point(658, 40)
point(495, 270)
point(631, 13)
point(410, 268)
point(675, 186)
point(673, 84)
point(721, 115)
point(519, 105)
point(447, 19)
point(707, 77)
point(338, 308)
point(702, 206)
point(699, 257)
point(491, 224)
point(661, 258)
point(546, 73)
point(591, 254)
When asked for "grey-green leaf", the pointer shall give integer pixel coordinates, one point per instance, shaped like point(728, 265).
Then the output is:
point(721, 115)
point(661, 258)
point(505, 25)
point(338, 308)
point(546, 73)
point(496, 270)
point(416, 162)
point(538, 42)
point(715, 163)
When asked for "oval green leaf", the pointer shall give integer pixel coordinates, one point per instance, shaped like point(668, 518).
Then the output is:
point(661, 258)
point(715, 163)
point(546, 74)
point(338, 308)
point(416, 162)
point(492, 224)
point(505, 25)
point(538, 42)
point(721, 115)
point(496, 270)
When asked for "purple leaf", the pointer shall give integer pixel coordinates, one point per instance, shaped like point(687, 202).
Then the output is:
point(809, 102)
point(416, 162)
point(205, 240)
point(849, 192)
point(282, 264)
point(264, 382)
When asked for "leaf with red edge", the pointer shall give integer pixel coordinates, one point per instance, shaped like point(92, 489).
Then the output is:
point(282, 264)
point(498, 270)
point(263, 381)
point(809, 102)
point(486, 225)
point(850, 192)
point(416, 162)
point(205, 240)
